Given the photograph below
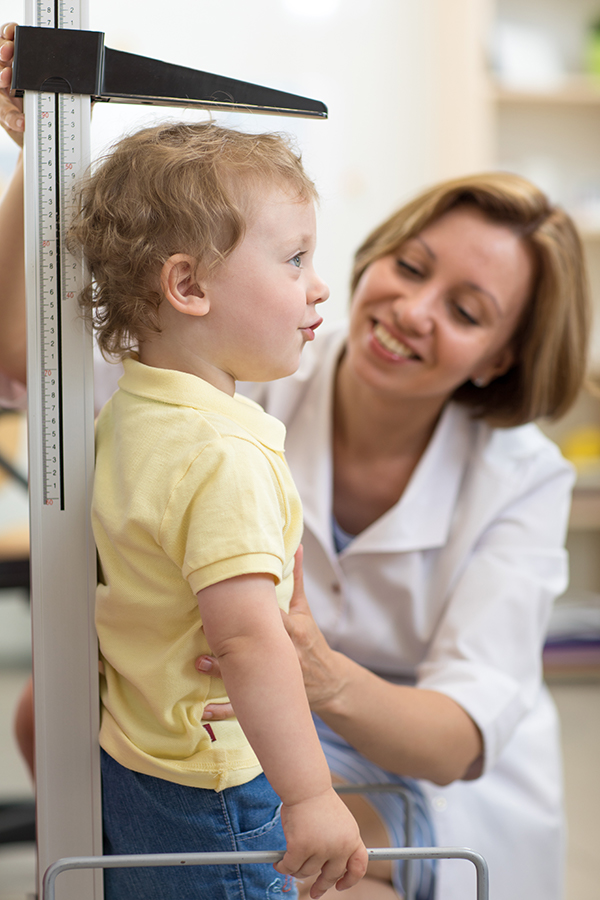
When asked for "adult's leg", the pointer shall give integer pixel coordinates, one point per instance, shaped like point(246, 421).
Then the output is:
point(24, 726)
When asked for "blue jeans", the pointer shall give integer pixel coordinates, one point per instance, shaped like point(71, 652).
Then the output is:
point(143, 814)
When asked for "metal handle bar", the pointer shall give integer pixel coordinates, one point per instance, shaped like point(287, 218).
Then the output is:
point(241, 857)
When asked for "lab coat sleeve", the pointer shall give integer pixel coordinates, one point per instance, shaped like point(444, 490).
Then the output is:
point(486, 652)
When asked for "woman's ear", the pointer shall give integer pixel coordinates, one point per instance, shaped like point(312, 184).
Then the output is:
point(500, 365)
point(180, 287)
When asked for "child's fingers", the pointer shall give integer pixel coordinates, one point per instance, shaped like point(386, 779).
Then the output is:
point(341, 873)
point(332, 873)
point(355, 870)
point(294, 865)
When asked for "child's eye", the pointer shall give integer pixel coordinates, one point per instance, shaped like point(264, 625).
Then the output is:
point(297, 260)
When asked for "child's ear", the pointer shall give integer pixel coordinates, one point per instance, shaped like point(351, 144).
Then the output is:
point(179, 285)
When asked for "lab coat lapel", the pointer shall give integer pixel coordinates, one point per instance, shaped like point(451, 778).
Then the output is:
point(423, 517)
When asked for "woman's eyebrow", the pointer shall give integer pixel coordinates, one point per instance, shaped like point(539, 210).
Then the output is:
point(470, 284)
point(486, 293)
point(426, 246)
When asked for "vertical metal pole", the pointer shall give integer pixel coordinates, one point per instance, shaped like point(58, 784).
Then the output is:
point(61, 458)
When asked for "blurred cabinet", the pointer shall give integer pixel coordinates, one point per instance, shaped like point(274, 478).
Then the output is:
point(545, 106)
point(544, 114)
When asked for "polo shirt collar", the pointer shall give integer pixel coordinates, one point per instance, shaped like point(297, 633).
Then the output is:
point(183, 389)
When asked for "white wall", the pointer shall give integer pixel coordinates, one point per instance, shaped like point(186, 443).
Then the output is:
point(373, 64)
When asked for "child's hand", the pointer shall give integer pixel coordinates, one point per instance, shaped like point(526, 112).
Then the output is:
point(322, 836)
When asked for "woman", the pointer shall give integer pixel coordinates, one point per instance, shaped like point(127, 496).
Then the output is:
point(405, 438)
point(434, 526)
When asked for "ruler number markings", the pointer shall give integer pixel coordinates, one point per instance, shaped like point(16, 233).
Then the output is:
point(59, 149)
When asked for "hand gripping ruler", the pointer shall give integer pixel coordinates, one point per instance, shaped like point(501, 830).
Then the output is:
point(59, 66)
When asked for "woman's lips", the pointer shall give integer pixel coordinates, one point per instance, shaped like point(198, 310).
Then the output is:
point(392, 344)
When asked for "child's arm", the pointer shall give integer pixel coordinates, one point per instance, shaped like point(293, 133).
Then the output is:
point(244, 629)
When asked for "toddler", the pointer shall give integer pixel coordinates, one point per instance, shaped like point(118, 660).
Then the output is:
point(200, 243)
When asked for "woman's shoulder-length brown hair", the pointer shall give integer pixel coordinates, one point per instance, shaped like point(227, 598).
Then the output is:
point(551, 340)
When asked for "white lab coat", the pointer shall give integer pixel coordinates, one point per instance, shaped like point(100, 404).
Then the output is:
point(451, 589)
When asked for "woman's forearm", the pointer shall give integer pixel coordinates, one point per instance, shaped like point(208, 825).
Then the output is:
point(412, 732)
point(13, 330)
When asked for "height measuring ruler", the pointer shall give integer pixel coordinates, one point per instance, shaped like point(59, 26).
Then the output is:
point(61, 460)
point(58, 67)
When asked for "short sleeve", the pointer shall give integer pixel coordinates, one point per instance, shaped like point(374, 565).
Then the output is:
point(227, 516)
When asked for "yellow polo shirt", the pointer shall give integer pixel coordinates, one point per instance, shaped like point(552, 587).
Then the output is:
point(191, 488)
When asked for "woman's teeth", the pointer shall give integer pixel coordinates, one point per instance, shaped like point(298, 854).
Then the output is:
point(390, 343)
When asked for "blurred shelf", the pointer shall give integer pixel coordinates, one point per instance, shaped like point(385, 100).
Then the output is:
point(585, 509)
point(572, 660)
point(571, 674)
point(590, 235)
point(574, 90)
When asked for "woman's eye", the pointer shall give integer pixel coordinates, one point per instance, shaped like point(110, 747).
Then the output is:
point(465, 316)
point(408, 269)
point(297, 260)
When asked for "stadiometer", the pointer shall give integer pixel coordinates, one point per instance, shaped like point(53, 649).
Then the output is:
point(59, 67)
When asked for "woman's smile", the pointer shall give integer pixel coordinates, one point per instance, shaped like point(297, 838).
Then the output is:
point(392, 345)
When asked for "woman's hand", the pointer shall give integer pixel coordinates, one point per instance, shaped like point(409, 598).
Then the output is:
point(320, 664)
point(11, 108)
point(214, 712)
point(317, 659)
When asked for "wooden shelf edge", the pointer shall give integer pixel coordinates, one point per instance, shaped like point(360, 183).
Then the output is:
point(585, 509)
point(575, 90)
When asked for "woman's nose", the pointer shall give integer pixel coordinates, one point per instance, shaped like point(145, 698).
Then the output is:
point(415, 311)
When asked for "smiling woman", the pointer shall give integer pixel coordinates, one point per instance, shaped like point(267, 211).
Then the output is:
point(434, 525)
point(516, 245)
point(443, 309)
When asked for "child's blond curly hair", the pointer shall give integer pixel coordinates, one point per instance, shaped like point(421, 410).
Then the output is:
point(172, 188)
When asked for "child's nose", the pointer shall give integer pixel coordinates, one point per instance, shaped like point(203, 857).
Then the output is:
point(320, 291)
